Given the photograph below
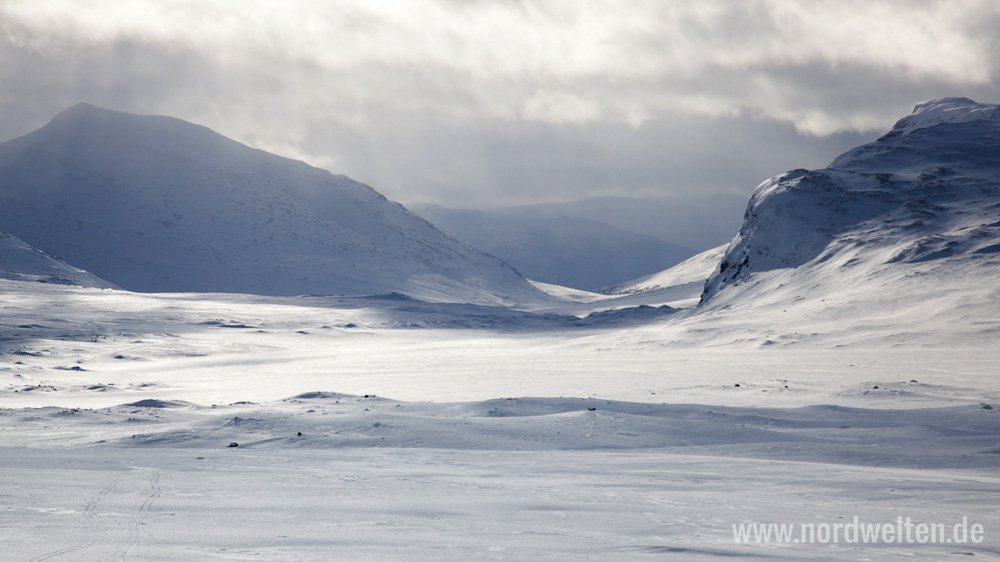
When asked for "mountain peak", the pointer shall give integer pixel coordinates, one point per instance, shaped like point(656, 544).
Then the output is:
point(158, 204)
point(943, 110)
point(84, 106)
point(84, 110)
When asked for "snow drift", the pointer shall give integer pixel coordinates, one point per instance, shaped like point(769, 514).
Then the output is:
point(156, 204)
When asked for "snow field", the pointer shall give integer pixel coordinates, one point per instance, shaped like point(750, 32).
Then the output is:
point(117, 409)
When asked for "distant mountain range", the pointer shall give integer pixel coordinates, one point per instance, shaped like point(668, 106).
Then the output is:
point(570, 251)
point(698, 221)
point(156, 204)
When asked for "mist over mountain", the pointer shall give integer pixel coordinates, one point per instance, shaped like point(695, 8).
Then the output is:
point(156, 204)
point(699, 221)
point(569, 251)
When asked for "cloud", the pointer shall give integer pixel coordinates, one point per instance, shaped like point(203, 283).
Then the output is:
point(491, 101)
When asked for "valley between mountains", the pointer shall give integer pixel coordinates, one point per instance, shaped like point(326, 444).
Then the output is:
point(208, 352)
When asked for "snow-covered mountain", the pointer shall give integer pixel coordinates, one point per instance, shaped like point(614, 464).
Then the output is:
point(156, 204)
point(569, 251)
point(21, 262)
point(904, 228)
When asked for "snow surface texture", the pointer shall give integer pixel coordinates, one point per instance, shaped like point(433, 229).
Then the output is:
point(158, 204)
point(21, 262)
point(847, 373)
point(370, 429)
point(569, 251)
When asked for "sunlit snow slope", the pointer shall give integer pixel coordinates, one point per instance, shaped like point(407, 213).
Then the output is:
point(905, 229)
point(21, 262)
point(158, 204)
point(692, 271)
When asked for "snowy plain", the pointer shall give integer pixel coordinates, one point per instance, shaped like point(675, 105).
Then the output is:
point(115, 422)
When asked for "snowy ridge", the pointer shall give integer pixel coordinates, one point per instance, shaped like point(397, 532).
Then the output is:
point(943, 110)
point(157, 204)
point(21, 262)
point(905, 227)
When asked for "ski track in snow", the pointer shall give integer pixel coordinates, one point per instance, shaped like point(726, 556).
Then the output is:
point(93, 532)
point(114, 518)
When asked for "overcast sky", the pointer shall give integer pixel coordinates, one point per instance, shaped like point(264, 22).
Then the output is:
point(479, 103)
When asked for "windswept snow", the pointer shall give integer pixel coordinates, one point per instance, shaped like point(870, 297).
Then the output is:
point(379, 428)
